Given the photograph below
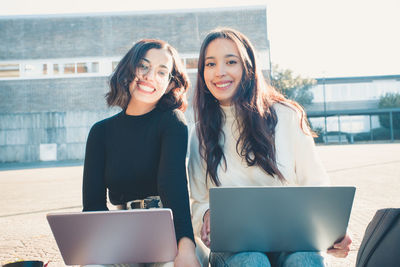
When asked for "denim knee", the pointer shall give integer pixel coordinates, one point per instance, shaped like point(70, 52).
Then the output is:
point(301, 259)
point(251, 259)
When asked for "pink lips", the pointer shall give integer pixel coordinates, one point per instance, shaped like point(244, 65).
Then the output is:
point(142, 86)
point(223, 84)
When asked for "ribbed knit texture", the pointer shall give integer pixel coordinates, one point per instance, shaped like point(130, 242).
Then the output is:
point(295, 154)
point(139, 156)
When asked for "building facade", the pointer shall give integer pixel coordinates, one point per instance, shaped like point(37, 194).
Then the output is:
point(54, 70)
point(350, 104)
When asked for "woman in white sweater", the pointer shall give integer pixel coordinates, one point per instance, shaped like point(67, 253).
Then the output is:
point(247, 134)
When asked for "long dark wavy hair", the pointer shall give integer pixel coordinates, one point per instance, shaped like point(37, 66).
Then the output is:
point(253, 102)
point(125, 73)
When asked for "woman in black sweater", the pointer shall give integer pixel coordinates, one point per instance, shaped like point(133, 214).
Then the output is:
point(141, 151)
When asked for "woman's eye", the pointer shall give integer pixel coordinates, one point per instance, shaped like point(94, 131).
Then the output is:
point(162, 73)
point(210, 64)
point(232, 62)
point(143, 67)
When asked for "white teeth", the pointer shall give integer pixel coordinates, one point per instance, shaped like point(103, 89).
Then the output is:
point(222, 85)
point(146, 88)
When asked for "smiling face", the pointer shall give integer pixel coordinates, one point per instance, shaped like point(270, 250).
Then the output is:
point(152, 78)
point(223, 70)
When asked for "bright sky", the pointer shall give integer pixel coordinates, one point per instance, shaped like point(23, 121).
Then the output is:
point(314, 38)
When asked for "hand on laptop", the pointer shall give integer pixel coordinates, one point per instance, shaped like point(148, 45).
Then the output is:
point(341, 249)
point(205, 229)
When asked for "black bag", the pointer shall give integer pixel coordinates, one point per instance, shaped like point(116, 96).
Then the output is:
point(381, 242)
point(25, 264)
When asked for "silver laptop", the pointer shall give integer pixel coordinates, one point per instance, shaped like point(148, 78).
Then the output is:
point(111, 237)
point(272, 219)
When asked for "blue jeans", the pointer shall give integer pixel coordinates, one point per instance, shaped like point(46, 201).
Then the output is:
point(259, 259)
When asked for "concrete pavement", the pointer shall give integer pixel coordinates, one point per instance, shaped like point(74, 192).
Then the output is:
point(27, 195)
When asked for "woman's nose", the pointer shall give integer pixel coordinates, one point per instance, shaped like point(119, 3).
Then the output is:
point(220, 70)
point(149, 75)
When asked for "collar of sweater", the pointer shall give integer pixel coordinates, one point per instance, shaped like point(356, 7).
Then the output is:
point(229, 112)
point(230, 126)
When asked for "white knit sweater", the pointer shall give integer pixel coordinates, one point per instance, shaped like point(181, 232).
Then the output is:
point(295, 155)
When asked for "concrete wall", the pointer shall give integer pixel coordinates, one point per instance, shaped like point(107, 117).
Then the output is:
point(39, 112)
point(50, 95)
point(113, 34)
point(38, 136)
point(49, 119)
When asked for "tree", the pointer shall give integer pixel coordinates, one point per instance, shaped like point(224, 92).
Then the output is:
point(295, 88)
point(390, 100)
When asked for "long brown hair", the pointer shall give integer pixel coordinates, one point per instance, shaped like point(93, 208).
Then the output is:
point(253, 102)
point(125, 73)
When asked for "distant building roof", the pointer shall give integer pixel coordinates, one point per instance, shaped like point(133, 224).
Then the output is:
point(357, 79)
point(112, 34)
point(135, 12)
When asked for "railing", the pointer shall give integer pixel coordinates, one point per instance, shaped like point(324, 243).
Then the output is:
point(391, 117)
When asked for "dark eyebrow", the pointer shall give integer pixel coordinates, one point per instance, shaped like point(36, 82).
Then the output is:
point(164, 67)
point(226, 56)
point(231, 55)
point(148, 61)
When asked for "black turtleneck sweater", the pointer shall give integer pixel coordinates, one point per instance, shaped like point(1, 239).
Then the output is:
point(139, 156)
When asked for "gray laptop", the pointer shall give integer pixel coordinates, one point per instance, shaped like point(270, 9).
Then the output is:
point(111, 237)
point(271, 219)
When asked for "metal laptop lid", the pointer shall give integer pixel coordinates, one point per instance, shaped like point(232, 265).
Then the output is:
point(112, 237)
point(271, 219)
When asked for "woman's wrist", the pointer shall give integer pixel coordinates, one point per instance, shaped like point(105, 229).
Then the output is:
point(186, 245)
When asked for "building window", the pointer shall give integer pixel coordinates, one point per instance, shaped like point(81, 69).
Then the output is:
point(82, 68)
point(69, 68)
point(56, 69)
point(114, 65)
point(9, 70)
point(191, 63)
point(35, 69)
point(87, 67)
point(94, 67)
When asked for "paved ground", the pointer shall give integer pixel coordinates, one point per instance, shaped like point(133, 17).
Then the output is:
point(27, 195)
